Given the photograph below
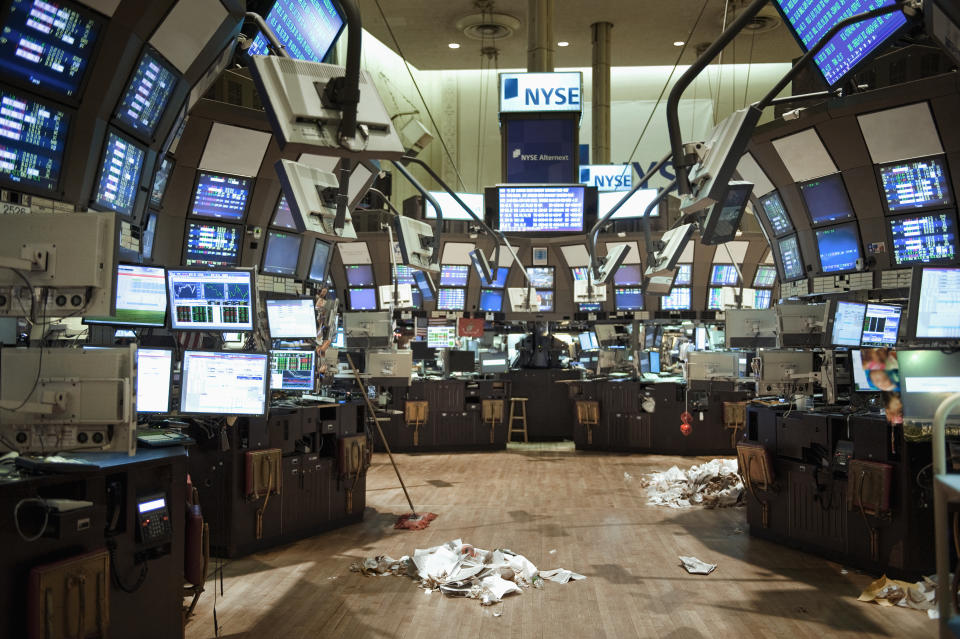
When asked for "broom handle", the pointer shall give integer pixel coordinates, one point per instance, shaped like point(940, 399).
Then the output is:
point(373, 415)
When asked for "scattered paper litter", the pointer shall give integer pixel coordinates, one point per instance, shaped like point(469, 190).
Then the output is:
point(697, 567)
point(459, 570)
point(921, 595)
point(553, 552)
point(627, 476)
point(714, 484)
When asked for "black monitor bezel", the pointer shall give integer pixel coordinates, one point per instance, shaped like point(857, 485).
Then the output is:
point(254, 299)
point(191, 214)
point(313, 354)
point(147, 171)
point(71, 115)
point(116, 275)
point(186, 235)
point(266, 378)
point(942, 157)
point(913, 307)
point(499, 291)
point(491, 199)
point(643, 299)
point(156, 206)
point(173, 362)
point(814, 224)
point(326, 267)
point(349, 299)
point(891, 219)
point(766, 216)
point(266, 246)
point(453, 288)
point(859, 240)
point(778, 258)
point(150, 137)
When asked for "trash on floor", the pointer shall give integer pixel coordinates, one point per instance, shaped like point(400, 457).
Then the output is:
point(921, 595)
point(459, 570)
point(714, 484)
point(697, 567)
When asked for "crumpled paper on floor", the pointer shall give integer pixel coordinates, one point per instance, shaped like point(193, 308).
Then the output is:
point(696, 566)
point(714, 484)
point(921, 595)
point(459, 570)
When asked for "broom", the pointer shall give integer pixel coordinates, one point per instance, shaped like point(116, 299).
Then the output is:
point(411, 520)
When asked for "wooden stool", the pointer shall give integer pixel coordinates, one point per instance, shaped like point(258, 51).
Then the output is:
point(514, 417)
point(588, 416)
point(415, 415)
point(492, 414)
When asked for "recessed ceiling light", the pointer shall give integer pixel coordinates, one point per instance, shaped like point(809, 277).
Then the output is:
point(563, 43)
point(454, 45)
point(679, 43)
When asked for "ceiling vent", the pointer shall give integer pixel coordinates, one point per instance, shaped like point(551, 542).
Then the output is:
point(488, 26)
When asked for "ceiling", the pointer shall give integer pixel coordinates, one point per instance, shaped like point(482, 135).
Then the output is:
point(640, 37)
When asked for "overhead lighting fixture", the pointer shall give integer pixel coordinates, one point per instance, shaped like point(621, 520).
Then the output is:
point(679, 43)
point(563, 43)
point(454, 45)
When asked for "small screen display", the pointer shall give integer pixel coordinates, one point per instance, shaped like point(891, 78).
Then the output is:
point(404, 275)
point(776, 214)
point(590, 307)
point(545, 299)
point(209, 244)
point(839, 248)
point(938, 307)
point(454, 275)
point(211, 300)
point(319, 262)
point(766, 277)
point(715, 299)
point(762, 298)
point(684, 275)
point(306, 28)
point(491, 301)
point(555, 209)
point(628, 298)
point(923, 238)
point(160, 179)
point(451, 299)
point(441, 336)
point(221, 196)
point(223, 383)
point(282, 253)
point(120, 171)
point(362, 299)
point(916, 184)
point(147, 94)
point(32, 141)
point(881, 323)
point(291, 319)
point(154, 367)
point(678, 300)
point(848, 324)
point(724, 275)
point(540, 276)
point(579, 273)
point(291, 370)
point(628, 275)
point(282, 217)
point(826, 200)
point(141, 297)
point(424, 284)
point(359, 274)
point(790, 259)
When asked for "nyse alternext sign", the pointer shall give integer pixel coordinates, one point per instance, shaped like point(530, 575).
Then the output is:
point(547, 92)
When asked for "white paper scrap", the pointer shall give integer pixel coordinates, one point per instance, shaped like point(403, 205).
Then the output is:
point(697, 567)
point(561, 575)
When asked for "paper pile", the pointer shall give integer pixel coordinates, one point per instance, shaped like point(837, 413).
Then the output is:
point(714, 484)
point(891, 592)
point(459, 570)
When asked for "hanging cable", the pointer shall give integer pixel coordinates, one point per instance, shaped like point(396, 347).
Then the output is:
point(746, 89)
point(416, 86)
point(716, 105)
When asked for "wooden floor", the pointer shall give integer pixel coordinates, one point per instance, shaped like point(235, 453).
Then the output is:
point(560, 508)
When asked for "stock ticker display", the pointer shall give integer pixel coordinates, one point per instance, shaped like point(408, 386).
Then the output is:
point(919, 239)
point(47, 45)
point(451, 299)
point(916, 184)
point(724, 274)
point(212, 244)
point(32, 140)
point(291, 370)
point(221, 196)
point(306, 28)
point(541, 209)
point(147, 94)
point(119, 174)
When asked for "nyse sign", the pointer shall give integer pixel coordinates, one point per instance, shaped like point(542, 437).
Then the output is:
point(607, 177)
point(546, 92)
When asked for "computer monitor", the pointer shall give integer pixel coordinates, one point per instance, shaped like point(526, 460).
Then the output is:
point(628, 275)
point(362, 299)
point(292, 370)
point(425, 285)
point(839, 248)
point(160, 178)
point(762, 298)
point(724, 275)
point(221, 196)
point(920, 184)
point(750, 328)
point(847, 323)
point(450, 209)
point(860, 383)
point(49, 46)
point(632, 209)
point(545, 301)
point(590, 307)
point(212, 244)
point(542, 208)
point(881, 325)
point(454, 275)
point(320, 261)
point(118, 182)
point(282, 218)
point(306, 29)
point(360, 275)
point(935, 304)
point(141, 297)
point(281, 254)
point(491, 301)
point(826, 200)
point(720, 297)
point(442, 336)
point(223, 383)
point(653, 358)
point(292, 318)
point(684, 275)
point(147, 94)
point(491, 363)
point(451, 299)
point(628, 298)
point(422, 351)
point(803, 325)
point(33, 143)
point(926, 379)
point(211, 300)
point(923, 238)
point(588, 341)
point(541, 276)
point(776, 214)
point(765, 277)
point(461, 361)
point(154, 376)
point(790, 258)
point(679, 299)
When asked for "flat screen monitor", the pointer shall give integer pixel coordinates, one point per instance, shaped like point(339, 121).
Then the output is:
point(282, 217)
point(292, 370)
point(454, 275)
point(141, 297)
point(48, 45)
point(654, 358)
point(362, 299)
point(442, 336)
point(119, 179)
point(154, 373)
point(307, 29)
point(590, 307)
point(424, 285)
point(461, 361)
point(159, 186)
point(212, 244)
point(847, 324)
point(761, 298)
point(147, 94)
point(839, 247)
point(32, 144)
point(628, 275)
point(588, 341)
point(628, 298)
point(881, 324)
point(679, 299)
point(724, 275)
point(211, 300)
point(633, 208)
point(494, 363)
point(765, 277)
point(860, 383)
point(923, 238)
point(320, 261)
point(291, 319)
point(717, 298)
point(491, 301)
point(776, 214)
point(826, 200)
point(926, 379)
point(935, 303)
point(545, 300)
point(501, 279)
point(451, 210)
point(451, 299)
point(223, 383)
point(359, 275)
point(684, 275)
point(281, 254)
point(147, 233)
point(404, 275)
point(221, 196)
point(422, 352)
point(540, 276)
point(580, 273)
point(915, 185)
point(791, 260)
point(539, 208)
point(811, 21)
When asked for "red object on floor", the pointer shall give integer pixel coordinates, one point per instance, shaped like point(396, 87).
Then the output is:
point(414, 521)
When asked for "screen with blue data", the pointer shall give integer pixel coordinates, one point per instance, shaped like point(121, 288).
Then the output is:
point(684, 275)
point(916, 184)
point(558, 209)
point(766, 276)
point(307, 29)
point(678, 300)
point(451, 299)
point(120, 172)
point(362, 299)
point(359, 274)
point(491, 301)
point(221, 196)
point(839, 247)
point(211, 244)
point(147, 94)
point(32, 140)
point(923, 239)
point(628, 298)
point(724, 274)
point(454, 275)
point(628, 275)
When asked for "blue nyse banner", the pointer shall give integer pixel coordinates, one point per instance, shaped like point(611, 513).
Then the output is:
point(539, 151)
point(540, 92)
point(607, 177)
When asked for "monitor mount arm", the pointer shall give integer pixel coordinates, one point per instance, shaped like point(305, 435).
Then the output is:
point(435, 253)
point(278, 49)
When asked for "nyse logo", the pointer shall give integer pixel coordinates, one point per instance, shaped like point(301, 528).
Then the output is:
point(612, 177)
point(540, 92)
point(516, 152)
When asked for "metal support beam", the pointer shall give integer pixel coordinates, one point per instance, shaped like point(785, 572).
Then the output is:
point(600, 99)
point(540, 36)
